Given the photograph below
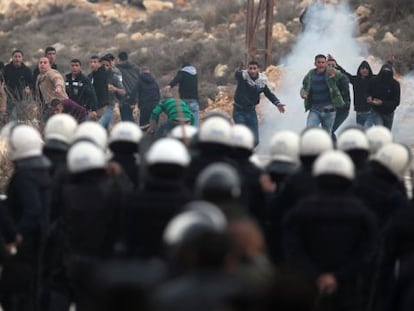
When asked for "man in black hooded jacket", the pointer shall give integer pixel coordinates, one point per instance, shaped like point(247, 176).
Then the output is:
point(130, 76)
point(147, 92)
point(360, 83)
point(384, 94)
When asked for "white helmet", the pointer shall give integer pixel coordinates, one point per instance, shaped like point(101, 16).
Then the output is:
point(24, 141)
point(201, 214)
point(284, 146)
point(61, 127)
point(242, 137)
point(378, 136)
point(215, 130)
point(352, 139)
point(334, 162)
point(218, 179)
point(168, 151)
point(314, 141)
point(395, 157)
point(85, 156)
point(93, 132)
point(125, 132)
point(183, 131)
point(256, 160)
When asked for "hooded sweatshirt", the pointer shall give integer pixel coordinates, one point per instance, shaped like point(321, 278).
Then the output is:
point(360, 86)
point(186, 78)
point(385, 88)
point(146, 91)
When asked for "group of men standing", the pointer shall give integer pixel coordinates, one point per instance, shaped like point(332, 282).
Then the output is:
point(325, 90)
point(92, 97)
point(326, 95)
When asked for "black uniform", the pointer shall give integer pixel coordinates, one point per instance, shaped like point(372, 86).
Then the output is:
point(399, 246)
point(332, 232)
point(252, 193)
point(381, 191)
point(8, 230)
point(90, 222)
point(28, 198)
point(296, 186)
point(205, 154)
point(149, 211)
point(130, 166)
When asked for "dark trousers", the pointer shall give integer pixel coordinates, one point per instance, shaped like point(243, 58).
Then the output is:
point(385, 119)
point(248, 118)
point(340, 117)
point(126, 112)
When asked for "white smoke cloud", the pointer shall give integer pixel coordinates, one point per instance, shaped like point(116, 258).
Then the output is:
point(329, 29)
point(403, 127)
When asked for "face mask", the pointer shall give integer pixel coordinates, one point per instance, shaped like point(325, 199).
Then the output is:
point(386, 74)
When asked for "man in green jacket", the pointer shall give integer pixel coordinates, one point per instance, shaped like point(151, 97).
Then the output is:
point(321, 94)
point(176, 110)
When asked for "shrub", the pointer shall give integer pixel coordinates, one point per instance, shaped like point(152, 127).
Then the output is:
point(390, 11)
point(216, 12)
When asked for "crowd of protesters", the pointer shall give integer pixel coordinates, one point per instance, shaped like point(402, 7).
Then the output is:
point(181, 214)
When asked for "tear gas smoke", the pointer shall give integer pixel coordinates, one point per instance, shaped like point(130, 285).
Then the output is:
point(328, 29)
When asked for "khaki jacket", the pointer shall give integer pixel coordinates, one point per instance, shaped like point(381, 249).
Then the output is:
point(46, 84)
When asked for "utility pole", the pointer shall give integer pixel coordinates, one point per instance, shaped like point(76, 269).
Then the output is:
point(256, 10)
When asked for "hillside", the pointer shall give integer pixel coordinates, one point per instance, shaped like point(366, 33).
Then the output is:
point(166, 32)
point(211, 35)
